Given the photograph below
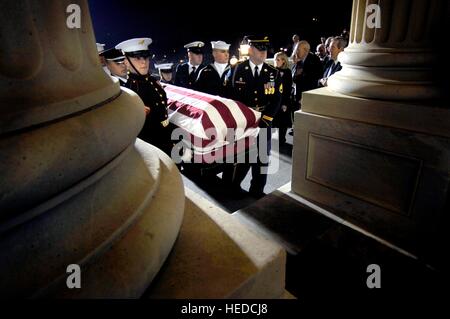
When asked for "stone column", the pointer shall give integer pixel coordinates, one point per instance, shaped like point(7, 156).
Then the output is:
point(374, 146)
point(392, 59)
point(75, 185)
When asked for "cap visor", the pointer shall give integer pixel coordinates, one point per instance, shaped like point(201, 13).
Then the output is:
point(138, 54)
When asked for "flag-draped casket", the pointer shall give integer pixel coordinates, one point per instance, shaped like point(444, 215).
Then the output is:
point(213, 127)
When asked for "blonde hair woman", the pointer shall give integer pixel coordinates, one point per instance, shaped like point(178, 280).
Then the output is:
point(283, 118)
point(283, 59)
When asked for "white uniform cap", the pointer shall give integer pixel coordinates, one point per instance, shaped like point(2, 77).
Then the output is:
point(136, 44)
point(164, 66)
point(100, 47)
point(195, 44)
point(220, 45)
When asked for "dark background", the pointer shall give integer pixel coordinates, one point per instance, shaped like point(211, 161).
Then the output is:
point(171, 25)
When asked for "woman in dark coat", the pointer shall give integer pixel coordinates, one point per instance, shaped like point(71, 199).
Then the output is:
point(283, 118)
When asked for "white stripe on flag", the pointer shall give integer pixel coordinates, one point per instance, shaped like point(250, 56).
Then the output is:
point(211, 111)
point(192, 126)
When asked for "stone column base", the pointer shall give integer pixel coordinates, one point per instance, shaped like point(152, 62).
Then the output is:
point(216, 257)
point(118, 225)
point(380, 165)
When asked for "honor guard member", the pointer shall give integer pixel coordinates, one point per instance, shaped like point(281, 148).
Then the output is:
point(165, 72)
point(100, 49)
point(257, 85)
point(211, 78)
point(115, 63)
point(137, 60)
point(187, 73)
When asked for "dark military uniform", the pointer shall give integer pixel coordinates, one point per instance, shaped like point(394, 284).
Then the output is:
point(156, 130)
point(122, 82)
point(165, 82)
point(182, 76)
point(209, 81)
point(164, 70)
point(262, 94)
point(115, 56)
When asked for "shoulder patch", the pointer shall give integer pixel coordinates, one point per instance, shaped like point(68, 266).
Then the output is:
point(238, 65)
point(270, 67)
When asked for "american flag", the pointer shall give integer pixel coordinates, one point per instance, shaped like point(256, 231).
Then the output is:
point(214, 124)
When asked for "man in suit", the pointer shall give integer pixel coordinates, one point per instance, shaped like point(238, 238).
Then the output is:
point(211, 78)
point(187, 73)
point(306, 72)
point(321, 52)
point(257, 85)
point(333, 65)
point(295, 41)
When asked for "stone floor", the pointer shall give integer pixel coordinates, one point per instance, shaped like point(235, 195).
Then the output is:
point(326, 258)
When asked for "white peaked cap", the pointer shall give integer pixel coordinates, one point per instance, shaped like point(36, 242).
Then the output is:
point(195, 44)
point(100, 47)
point(220, 45)
point(164, 66)
point(136, 44)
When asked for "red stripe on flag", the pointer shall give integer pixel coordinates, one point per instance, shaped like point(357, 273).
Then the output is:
point(220, 154)
point(202, 116)
point(220, 106)
point(248, 113)
point(197, 114)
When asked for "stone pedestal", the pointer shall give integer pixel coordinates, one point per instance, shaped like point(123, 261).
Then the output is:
point(75, 185)
point(374, 146)
point(389, 176)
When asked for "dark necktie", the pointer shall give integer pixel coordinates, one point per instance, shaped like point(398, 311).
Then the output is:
point(193, 70)
point(256, 73)
point(299, 68)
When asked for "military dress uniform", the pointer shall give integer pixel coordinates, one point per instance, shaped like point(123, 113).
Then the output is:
point(122, 81)
point(209, 81)
point(165, 68)
point(262, 93)
point(211, 78)
point(156, 127)
point(184, 76)
point(156, 130)
point(115, 56)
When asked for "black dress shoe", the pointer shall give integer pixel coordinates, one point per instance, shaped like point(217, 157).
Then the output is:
point(236, 192)
point(257, 195)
